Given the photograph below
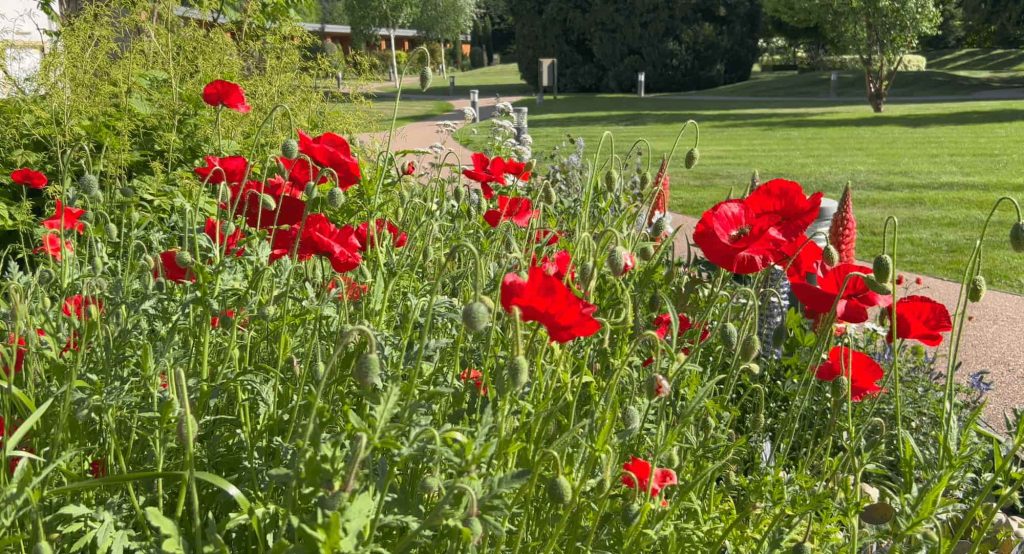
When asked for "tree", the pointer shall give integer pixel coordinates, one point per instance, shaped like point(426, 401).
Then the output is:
point(879, 32)
point(368, 17)
point(457, 19)
point(993, 23)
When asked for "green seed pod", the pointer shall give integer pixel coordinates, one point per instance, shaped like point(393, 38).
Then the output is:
point(1017, 236)
point(560, 490)
point(290, 149)
point(547, 194)
point(111, 231)
point(779, 335)
point(335, 197)
point(882, 268)
point(730, 336)
point(159, 284)
point(476, 529)
point(630, 420)
point(310, 191)
point(692, 157)
point(429, 485)
point(42, 547)
point(45, 277)
point(476, 317)
point(426, 76)
point(645, 179)
point(879, 287)
point(802, 548)
point(977, 289)
point(517, 373)
point(616, 261)
point(89, 184)
point(183, 258)
point(267, 202)
point(830, 255)
point(586, 272)
point(367, 372)
point(630, 514)
point(645, 251)
point(750, 348)
point(611, 180)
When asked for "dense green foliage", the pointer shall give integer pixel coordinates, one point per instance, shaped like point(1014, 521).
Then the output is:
point(602, 44)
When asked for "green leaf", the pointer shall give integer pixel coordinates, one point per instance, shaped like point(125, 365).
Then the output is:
point(168, 530)
point(23, 430)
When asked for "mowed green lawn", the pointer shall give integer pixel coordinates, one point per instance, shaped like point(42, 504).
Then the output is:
point(937, 167)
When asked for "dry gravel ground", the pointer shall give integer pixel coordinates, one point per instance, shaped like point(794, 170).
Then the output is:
point(993, 340)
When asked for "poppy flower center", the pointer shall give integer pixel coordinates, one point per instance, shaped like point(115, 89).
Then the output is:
point(740, 233)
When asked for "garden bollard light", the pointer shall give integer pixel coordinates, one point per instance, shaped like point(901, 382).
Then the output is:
point(520, 124)
point(474, 104)
point(833, 85)
point(451, 85)
point(640, 83)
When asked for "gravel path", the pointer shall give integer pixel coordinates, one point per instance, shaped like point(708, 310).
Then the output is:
point(993, 339)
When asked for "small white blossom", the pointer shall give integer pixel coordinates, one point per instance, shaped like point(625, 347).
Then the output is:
point(468, 114)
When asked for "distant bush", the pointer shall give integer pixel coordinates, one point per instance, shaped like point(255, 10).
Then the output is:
point(914, 62)
point(476, 57)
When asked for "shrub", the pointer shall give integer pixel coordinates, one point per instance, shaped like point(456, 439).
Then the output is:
point(476, 57)
point(914, 62)
point(911, 62)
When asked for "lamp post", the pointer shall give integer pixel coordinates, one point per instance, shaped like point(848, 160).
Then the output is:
point(641, 77)
point(520, 123)
point(474, 104)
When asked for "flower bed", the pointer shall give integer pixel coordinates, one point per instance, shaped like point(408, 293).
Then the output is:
point(327, 349)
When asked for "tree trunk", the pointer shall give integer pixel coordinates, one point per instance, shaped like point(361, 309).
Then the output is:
point(444, 69)
point(394, 59)
point(876, 92)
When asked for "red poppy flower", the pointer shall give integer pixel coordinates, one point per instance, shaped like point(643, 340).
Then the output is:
point(855, 301)
point(54, 247)
point(333, 151)
point(745, 236)
point(319, 237)
point(299, 172)
point(641, 475)
point(288, 204)
point(351, 290)
point(628, 262)
point(215, 319)
point(804, 259)
point(862, 371)
point(515, 209)
point(663, 324)
point(65, 217)
point(547, 237)
point(163, 381)
point(228, 243)
point(409, 169)
point(559, 265)
point(227, 94)
point(169, 269)
point(476, 377)
point(516, 169)
point(545, 299)
point(486, 170)
point(230, 170)
point(77, 306)
point(28, 178)
point(922, 319)
point(367, 240)
point(19, 353)
point(98, 468)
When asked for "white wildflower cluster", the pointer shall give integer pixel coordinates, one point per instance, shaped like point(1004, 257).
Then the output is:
point(526, 140)
point(446, 127)
point(503, 108)
point(468, 115)
point(522, 153)
point(436, 149)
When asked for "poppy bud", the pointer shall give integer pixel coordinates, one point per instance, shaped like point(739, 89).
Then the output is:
point(127, 191)
point(426, 76)
point(290, 149)
point(560, 490)
point(875, 432)
point(882, 268)
point(750, 348)
point(658, 386)
point(487, 302)
point(779, 335)
point(586, 272)
point(1017, 236)
point(47, 303)
point(660, 228)
point(459, 194)
point(429, 485)
point(476, 316)
point(878, 513)
point(929, 537)
point(42, 547)
point(529, 166)
point(611, 180)
point(518, 373)
point(335, 197)
point(645, 251)
point(267, 312)
point(183, 258)
point(97, 265)
point(191, 430)
point(89, 184)
point(476, 529)
point(830, 255)
point(159, 284)
point(692, 157)
point(630, 514)
point(111, 230)
point(547, 194)
point(45, 277)
point(630, 420)
point(880, 287)
point(267, 202)
point(645, 179)
point(802, 548)
point(840, 387)
point(673, 457)
point(977, 289)
point(310, 190)
point(730, 336)
point(223, 193)
point(367, 372)
point(329, 502)
point(616, 261)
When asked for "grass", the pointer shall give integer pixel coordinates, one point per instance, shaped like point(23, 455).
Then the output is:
point(497, 79)
point(410, 110)
point(976, 59)
point(936, 166)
